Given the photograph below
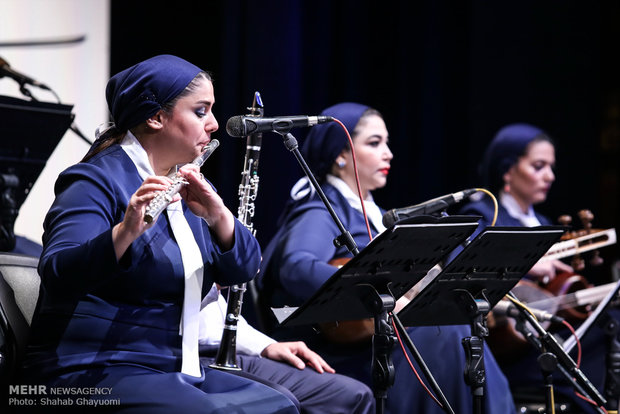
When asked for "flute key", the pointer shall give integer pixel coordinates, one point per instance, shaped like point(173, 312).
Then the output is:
point(164, 198)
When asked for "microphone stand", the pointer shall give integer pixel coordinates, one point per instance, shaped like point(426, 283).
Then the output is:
point(381, 305)
point(552, 356)
point(345, 238)
point(73, 127)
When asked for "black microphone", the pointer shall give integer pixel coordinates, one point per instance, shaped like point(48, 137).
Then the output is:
point(425, 208)
point(507, 308)
point(242, 125)
point(5, 70)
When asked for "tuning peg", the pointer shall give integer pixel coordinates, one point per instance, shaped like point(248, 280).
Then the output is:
point(566, 221)
point(586, 218)
point(577, 263)
point(596, 259)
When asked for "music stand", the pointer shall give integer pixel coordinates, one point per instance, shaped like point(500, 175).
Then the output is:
point(471, 284)
point(370, 283)
point(29, 133)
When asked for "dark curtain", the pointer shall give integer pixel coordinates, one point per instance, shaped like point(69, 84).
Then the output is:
point(446, 75)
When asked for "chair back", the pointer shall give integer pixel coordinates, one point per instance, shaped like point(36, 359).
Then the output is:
point(19, 292)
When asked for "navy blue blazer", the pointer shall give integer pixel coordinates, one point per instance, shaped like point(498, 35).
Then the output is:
point(93, 310)
point(295, 263)
point(486, 209)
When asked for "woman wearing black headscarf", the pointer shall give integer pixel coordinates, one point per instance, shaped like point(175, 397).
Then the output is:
point(297, 262)
point(116, 324)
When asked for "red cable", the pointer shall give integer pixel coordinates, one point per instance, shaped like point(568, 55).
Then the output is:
point(583, 397)
point(411, 364)
point(359, 192)
point(357, 178)
point(578, 343)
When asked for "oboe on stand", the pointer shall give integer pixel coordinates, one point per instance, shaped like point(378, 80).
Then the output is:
point(226, 358)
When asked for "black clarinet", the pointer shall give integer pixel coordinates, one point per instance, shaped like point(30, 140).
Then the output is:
point(226, 357)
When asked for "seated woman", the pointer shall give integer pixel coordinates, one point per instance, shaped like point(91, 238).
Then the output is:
point(518, 167)
point(116, 326)
point(297, 262)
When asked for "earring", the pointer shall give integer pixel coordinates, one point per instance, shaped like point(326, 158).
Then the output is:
point(506, 187)
point(341, 163)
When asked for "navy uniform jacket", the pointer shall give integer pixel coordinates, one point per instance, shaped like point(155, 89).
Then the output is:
point(486, 209)
point(295, 263)
point(94, 311)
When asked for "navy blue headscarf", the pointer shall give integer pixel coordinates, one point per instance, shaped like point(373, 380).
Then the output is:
point(138, 92)
point(504, 151)
point(326, 141)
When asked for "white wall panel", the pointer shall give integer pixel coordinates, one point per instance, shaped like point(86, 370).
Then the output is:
point(77, 72)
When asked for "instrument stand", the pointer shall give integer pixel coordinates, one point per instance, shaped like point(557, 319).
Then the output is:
point(546, 343)
point(371, 282)
point(474, 348)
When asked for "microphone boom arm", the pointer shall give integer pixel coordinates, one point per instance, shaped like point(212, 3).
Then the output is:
point(567, 366)
point(345, 238)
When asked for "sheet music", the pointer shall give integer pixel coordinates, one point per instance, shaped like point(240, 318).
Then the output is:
point(570, 343)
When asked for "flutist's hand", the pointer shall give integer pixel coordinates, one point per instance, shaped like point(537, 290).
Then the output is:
point(133, 224)
point(203, 201)
point(297, 354)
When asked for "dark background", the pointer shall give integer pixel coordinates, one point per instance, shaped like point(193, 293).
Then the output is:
point(446, 75)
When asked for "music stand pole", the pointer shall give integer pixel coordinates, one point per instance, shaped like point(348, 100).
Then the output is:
point(382, 366)
point(473, 345)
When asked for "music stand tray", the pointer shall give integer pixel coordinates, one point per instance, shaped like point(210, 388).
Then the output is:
point(370, 283)
point(488, 268)
point(392, 262)
point(471, 284)
point(30, 131)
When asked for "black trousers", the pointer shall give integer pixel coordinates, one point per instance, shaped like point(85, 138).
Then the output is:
point(311, 391)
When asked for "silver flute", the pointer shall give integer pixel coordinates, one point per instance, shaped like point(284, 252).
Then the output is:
point(164, 198)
